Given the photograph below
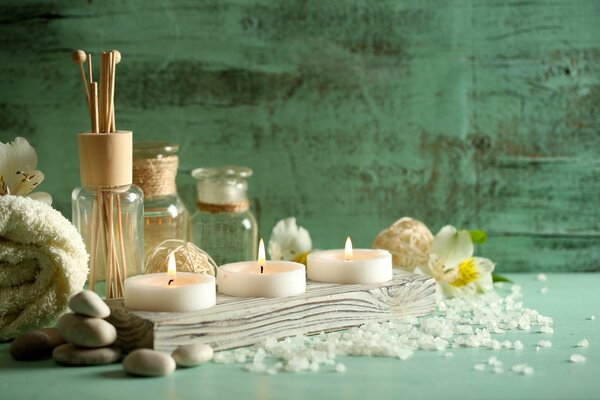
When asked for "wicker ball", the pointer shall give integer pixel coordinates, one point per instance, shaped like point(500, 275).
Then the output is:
point(408, 240)
point(188, 258)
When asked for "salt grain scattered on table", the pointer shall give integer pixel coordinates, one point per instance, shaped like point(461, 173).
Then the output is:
point(583, 343)
point(546, 329)
point(577, 358)
point(593, 317)
point(545, 343)
point(542, 277)
point(466, 322)
point(544, 290)
point(518, 345)
point(449, 355)
point(340, 368)
point(522, 369)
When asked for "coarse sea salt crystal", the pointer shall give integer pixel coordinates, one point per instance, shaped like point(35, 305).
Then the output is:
point(544, 290)
point(467, 322)
point(583, 343)
point(545, 343)
point(498, 370)
point(592, 317)
point(479, 367)
point(340, 368)
point(542, 277)
point(494, 362)
point(546, 329)
point(522, 369)
point(518, 345)
point(518, 368)
point(577, 358)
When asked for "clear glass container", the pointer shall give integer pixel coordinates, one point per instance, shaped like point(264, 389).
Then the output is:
point(154, 171)
point(223, 224)
point(110, 223)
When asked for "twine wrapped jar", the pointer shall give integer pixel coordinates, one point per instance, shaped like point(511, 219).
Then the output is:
point(154, 171)
point(408, 240)
point(223, 224)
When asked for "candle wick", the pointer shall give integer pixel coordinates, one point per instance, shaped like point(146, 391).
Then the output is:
point(170, 281)
point(261, 269)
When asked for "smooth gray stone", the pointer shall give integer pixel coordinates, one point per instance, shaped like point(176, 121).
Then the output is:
point(35, 345)
point(192, 354)
point(146, 362)
point(69, 354)
point(86, 331)
point(90, 304)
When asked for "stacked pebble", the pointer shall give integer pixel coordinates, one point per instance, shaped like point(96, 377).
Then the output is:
point(90, 338)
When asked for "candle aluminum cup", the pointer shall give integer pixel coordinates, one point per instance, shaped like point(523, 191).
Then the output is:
point(366, 266)
point(279, 279)
point(188, 292)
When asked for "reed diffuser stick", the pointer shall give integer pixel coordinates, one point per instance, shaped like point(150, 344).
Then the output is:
point(94, 106)
point(107, 245)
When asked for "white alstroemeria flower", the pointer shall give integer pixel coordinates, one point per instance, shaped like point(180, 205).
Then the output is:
point(453, 266)
point(18, 175)
point(288, 240)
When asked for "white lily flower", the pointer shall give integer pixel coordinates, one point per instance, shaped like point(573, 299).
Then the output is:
point(453, 266)
point(288, 241)
point(18, 176)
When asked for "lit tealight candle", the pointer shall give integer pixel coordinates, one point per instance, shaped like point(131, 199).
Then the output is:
point(171, 291)
point(350, 265)
point(261, 278)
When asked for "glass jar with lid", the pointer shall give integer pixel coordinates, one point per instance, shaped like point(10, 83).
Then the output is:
point(223, 224)
point(107, 210)
point(154, 171)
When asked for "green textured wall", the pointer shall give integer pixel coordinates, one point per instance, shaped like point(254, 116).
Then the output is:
point(480, 113)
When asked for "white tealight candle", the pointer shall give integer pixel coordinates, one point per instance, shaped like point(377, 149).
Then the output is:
point(262, 278)
point(350, 266)
point(171, 291)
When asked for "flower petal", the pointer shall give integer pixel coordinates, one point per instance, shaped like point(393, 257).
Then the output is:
point(452, 246)
point(288, 240)
point(16, 156)
point(41, 196)
point(28, 180)
point(485, 267)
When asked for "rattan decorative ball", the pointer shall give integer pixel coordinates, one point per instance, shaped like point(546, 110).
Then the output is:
point(408, 240)
point(188, 258)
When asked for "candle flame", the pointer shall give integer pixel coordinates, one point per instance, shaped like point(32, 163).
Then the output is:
point(348, 251)
point(261, 253)
point(172, 268)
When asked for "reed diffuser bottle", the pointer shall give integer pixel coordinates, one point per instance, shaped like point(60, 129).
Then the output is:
point(107, 208)
point(223, 225)
point(154, 171)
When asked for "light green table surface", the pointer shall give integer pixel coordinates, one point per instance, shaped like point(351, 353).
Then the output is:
point(571, 300)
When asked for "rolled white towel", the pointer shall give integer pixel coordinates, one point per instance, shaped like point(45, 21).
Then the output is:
point(43, 262)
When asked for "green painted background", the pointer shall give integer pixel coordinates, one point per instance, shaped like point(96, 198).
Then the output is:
point(480, 113)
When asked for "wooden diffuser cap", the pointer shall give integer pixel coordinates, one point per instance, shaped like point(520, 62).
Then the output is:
point(105, 159)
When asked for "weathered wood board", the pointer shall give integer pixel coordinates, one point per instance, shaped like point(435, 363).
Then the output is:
point(480, 113)
point(236, 322)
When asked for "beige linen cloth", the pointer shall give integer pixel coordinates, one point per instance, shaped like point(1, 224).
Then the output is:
point(43, 262)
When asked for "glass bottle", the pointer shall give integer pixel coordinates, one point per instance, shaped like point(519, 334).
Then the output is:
point(108, 211)
point(223, 225)
point(154, 171)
